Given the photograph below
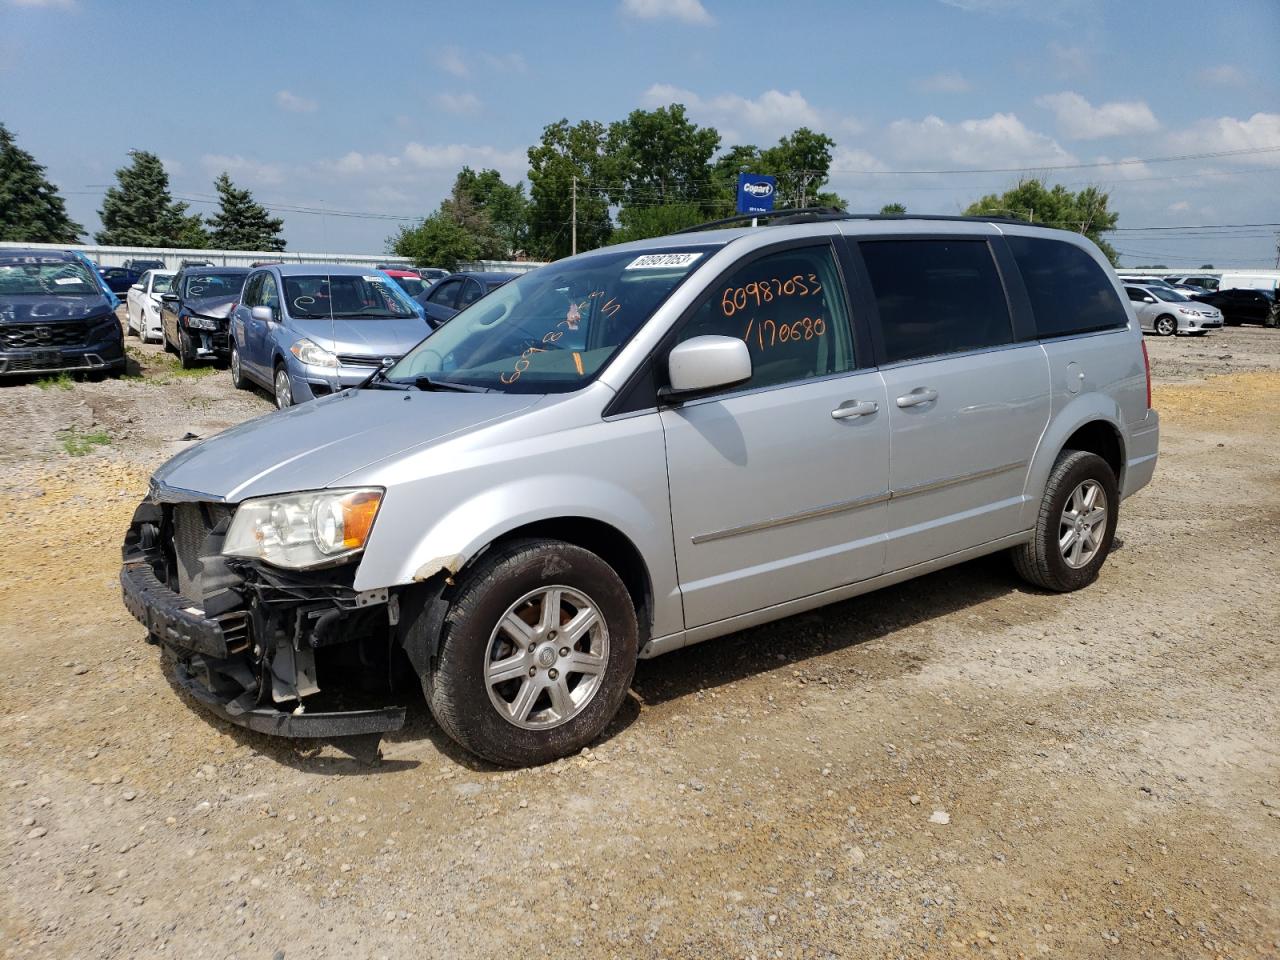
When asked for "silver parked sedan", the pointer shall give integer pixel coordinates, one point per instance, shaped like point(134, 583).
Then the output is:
point(1165, 311)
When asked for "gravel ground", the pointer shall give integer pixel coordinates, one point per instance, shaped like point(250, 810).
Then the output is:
point(956, 766)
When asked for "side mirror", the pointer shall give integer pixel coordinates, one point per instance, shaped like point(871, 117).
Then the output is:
point(702, 364)
point(169, 297)
point(265, 314)
point(136, 286)
point(1148, 299)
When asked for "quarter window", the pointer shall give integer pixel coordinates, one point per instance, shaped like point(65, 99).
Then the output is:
point(936, 297)
point(789, 309)
point(1069, 291)
point(471, 292)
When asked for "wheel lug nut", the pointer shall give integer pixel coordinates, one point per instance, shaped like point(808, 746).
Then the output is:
point(532, 671)
point(533, 647)
point(553, 673)
point(551, 634)
point(564, 651)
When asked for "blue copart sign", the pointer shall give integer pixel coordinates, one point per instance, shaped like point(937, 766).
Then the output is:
point(756, 192)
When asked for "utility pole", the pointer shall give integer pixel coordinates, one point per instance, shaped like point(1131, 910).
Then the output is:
point(574, 241)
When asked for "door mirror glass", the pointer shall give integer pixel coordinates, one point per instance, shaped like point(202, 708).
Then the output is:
point(1148, 299)
point(265, 314)
point(169, 297)
point(136, 286)
point(707, 363)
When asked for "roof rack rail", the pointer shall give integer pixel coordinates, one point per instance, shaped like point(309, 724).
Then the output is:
point(804, 214)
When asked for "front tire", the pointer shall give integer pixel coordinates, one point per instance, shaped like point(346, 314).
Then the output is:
point(186, 350)
point(1166, 326)
point(283, 389)
point(1075, 527)
point(536, 654)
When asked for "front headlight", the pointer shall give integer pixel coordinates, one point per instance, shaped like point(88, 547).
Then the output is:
point(1189, 313)
point(300, 530)
point(313, 354)
point(195, 322)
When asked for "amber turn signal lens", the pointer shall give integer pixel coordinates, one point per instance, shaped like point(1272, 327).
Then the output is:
point(358, 511)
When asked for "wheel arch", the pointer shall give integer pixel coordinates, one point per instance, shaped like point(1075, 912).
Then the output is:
point(1090, 422)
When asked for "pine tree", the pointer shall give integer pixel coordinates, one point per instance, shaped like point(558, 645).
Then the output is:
point(242, 223)
point(140, 212)
point(31, 211)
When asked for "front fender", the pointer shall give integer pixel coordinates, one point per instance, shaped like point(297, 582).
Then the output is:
point(1080, 410)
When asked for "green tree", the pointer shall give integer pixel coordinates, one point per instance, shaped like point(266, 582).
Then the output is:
point(662, 157)
point(1206, 266)
point(802, 163)
point(505, 206)
point(31, 210)
point(140, 212)
point(242, 223)
point(438, 241)
point(640, 221)
point(893, 209)
point(564, 152)
point(1084, 212)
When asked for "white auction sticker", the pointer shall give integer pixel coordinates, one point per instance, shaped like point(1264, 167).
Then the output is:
point(374, 279)
point(63, 281)
point(659, 261)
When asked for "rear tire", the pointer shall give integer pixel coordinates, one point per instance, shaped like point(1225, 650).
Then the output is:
point(1166, 326)
point(237, 374)
point(546, 608)
point(1054, 559)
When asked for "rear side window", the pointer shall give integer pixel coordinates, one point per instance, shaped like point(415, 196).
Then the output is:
point(1069, 292)
point(936, 297)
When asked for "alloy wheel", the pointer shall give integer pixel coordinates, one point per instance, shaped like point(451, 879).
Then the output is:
point(1083, 524)
point(546, 658)
point(284, 390)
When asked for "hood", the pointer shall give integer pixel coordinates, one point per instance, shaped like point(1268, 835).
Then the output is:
point(380, 337)
point(315, 444)
point(31, 308)
point(216, 307)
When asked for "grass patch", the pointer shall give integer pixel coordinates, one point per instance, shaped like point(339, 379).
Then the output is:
point(77, 443)
point(62, 381)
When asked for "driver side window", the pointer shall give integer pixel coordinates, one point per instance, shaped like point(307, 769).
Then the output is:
point(445, 294)
point(267, 295)
point(251, 287)
point(789, 309)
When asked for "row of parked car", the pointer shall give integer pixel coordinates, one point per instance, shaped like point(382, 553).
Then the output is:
point(298, 330)
point(1166, 308)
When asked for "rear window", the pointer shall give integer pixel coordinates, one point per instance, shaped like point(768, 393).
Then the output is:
point(1069, 291)
point(936, 297)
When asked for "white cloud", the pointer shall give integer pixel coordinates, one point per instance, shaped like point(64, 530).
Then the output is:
point(998, 141)
point(512, 164)
point(1070, 61)
point(686, 11)
point(768, 116)
point(243, 168)
point(504, 62)
point(452, 61)
point(945, 83)
point(1223, 75)
point(64, 4)
point(1229, 133)
point(851, 161)
point(1179, 207)
point(457, 102)
point(1080, 120)
point(294, 103)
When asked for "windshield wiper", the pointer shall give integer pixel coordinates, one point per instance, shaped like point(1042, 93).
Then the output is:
point(383, 315)
point(426, 383)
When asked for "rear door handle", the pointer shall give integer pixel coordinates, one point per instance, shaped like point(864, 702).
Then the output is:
point(917, 396)
point(854, 408)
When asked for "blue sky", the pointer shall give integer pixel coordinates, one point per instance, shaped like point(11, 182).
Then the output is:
point(372, 109)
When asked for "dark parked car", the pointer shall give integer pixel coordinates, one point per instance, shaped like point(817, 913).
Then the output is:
point(446, 297)
point(119, 279)
point(1243, 306)
point(194, 311)
point(142, 266)
point(55, 316)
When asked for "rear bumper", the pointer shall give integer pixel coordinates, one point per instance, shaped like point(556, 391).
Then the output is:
point(1142, 448)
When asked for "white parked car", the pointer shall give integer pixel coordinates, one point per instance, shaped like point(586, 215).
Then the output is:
point(142, 305)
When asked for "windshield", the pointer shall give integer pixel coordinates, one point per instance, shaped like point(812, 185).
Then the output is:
point(202, 284)
point(47, 277)
point(1169, 295)
point(159, 284)
point(552, 330)
point(413, 286)
point(348, 296)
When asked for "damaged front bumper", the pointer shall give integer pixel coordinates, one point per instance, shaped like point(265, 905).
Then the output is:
point(252, 643)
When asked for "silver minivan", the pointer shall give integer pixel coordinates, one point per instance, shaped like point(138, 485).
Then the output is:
point(640, 448)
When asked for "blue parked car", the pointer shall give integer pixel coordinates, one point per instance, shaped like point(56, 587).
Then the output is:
point(304, 331)
point(447, 297)
point(56, 315)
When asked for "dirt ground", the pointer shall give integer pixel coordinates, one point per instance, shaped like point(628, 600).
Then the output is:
point(957, 766)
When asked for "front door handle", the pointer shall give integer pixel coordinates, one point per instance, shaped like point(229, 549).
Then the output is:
point(854, 408)
point(917, 396)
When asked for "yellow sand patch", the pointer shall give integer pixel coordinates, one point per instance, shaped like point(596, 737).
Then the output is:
point(1232, 397)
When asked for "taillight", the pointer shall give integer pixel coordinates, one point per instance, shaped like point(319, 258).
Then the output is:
point(1146, 363)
